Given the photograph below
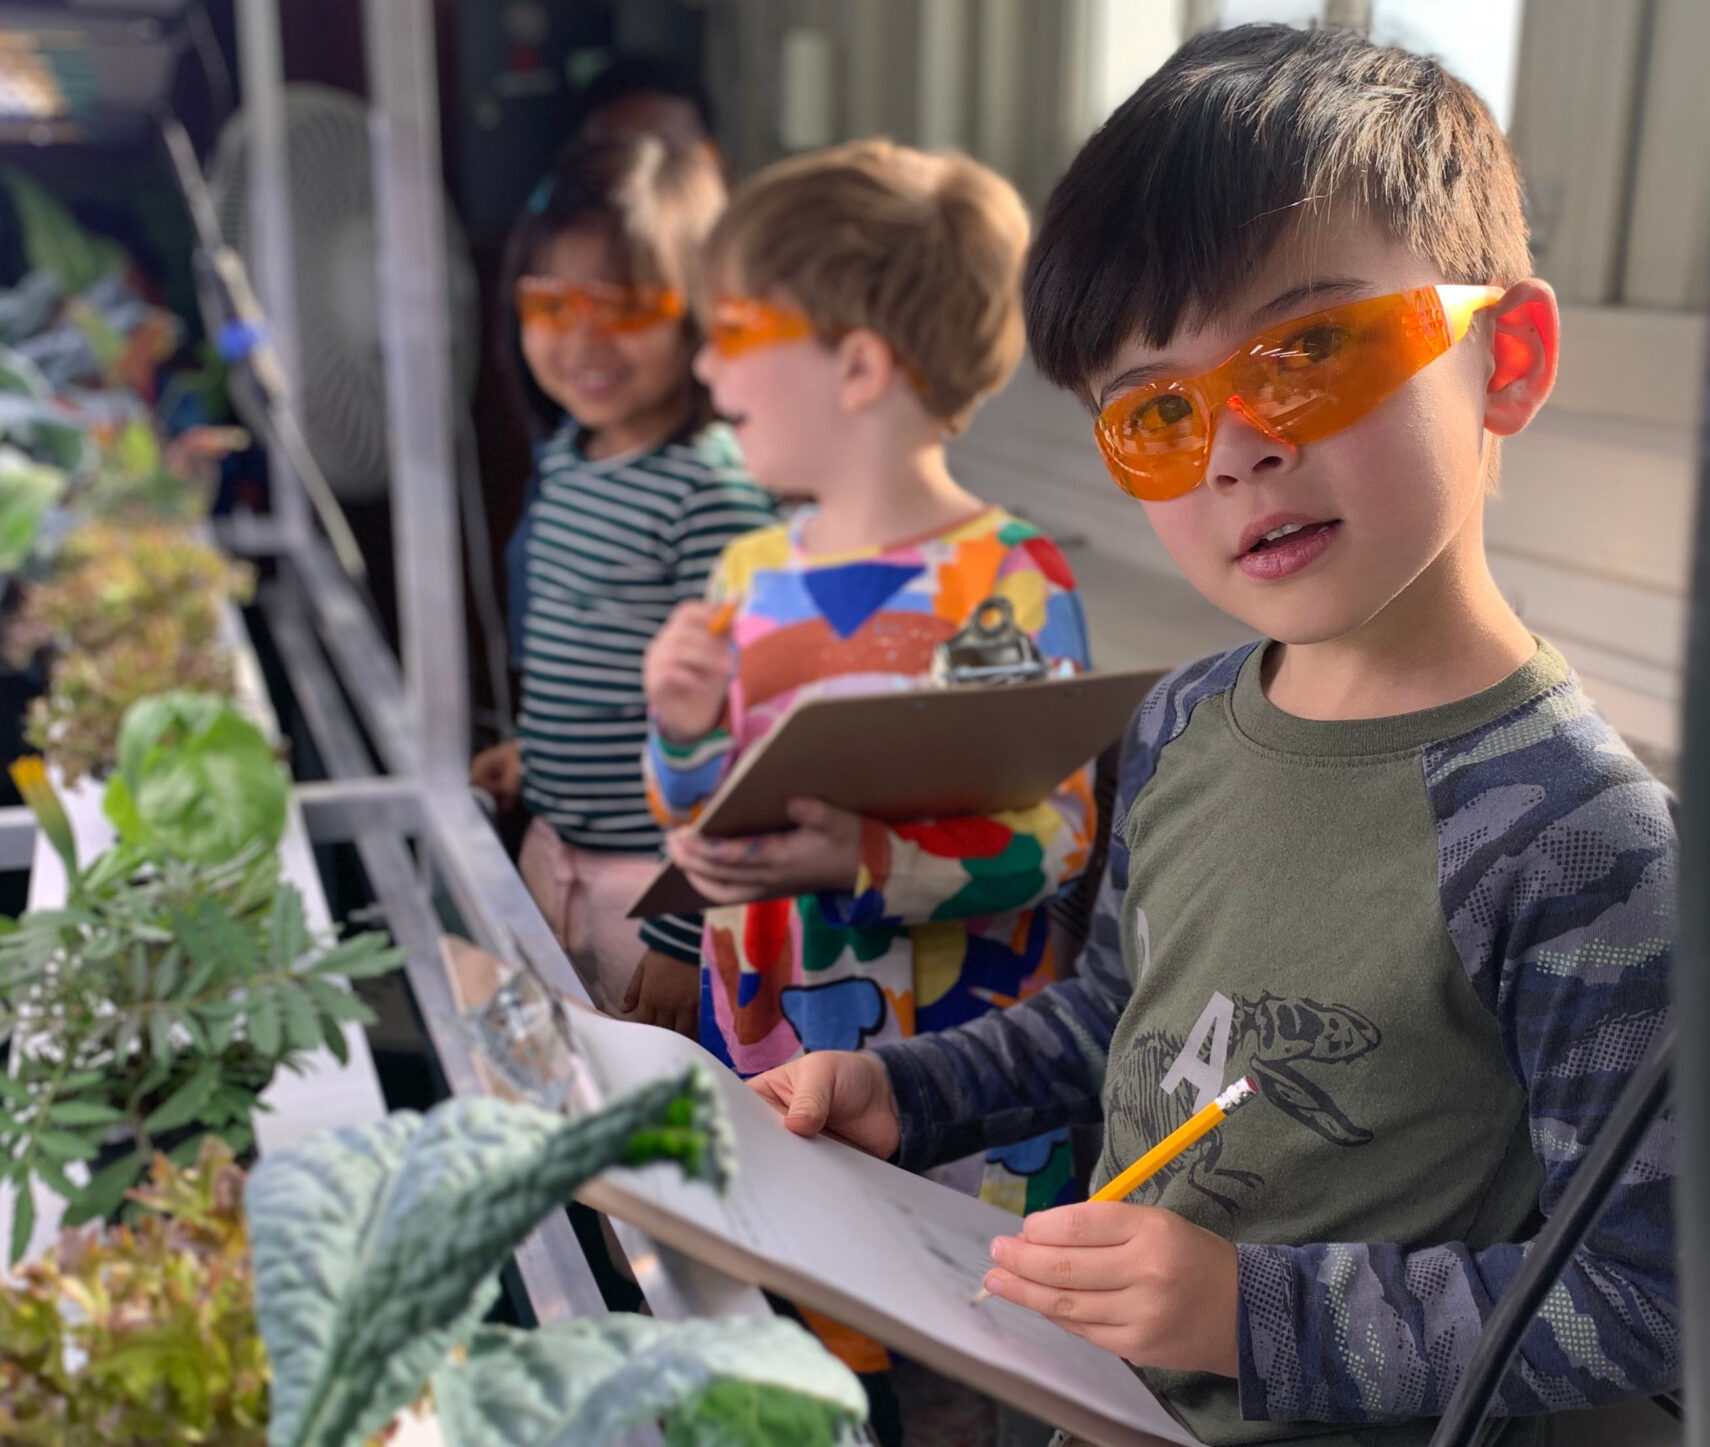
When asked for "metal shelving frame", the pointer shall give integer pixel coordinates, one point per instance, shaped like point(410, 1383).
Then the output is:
point(393, 734)
point(409, 811)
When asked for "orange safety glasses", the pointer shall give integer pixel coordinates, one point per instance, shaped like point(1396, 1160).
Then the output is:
point(1296, 382)
point(544, 301)
point(742, 324)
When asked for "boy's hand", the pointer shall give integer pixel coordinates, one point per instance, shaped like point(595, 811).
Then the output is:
point(845, 1093)
point(1136, 1280)
point(686, 672)
point(498, 770)
point(822, 852)
point(665, 991)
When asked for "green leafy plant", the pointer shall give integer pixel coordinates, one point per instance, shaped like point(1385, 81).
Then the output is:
point(54, 242)
point(376, 1256)
point(27, 490)
point(130, 611)
point(30, 422)
point(165, 993)
point(132, 479)
point(143, 1334)
point(195, 779)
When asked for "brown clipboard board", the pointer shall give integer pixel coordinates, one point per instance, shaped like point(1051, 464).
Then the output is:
point(927, 753)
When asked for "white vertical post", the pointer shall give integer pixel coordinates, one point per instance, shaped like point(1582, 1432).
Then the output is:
point(262, 75)
point(807, 89)
point(415, 332)
point(1128, 39)
point(1668, 226)
point(943, 82)
point(1572, 129)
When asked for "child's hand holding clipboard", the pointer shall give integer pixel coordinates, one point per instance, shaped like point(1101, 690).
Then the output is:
point(927, 753)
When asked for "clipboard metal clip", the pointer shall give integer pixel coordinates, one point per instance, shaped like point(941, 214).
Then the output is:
point(991, 648)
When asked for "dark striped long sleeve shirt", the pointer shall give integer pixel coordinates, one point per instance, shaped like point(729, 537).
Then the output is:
point(613, 545)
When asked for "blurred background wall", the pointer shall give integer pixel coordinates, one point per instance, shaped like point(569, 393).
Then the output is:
point(1606, 102)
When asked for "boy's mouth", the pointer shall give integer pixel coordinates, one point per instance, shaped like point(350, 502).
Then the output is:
point(1276, 546)
point(1281, 530)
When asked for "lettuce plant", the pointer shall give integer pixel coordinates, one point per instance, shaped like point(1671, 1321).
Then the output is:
point(377, 1251)
point(195, 779)
point(130, 611)
point(142, 1334)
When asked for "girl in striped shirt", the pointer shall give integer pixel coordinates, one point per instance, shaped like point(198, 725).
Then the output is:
point(636, 493)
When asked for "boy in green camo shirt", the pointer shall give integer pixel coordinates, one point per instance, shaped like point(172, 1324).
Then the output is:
point(1388, 860)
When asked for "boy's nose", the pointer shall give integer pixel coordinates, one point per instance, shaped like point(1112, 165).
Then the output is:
point(1244, 447)
point(703, 364)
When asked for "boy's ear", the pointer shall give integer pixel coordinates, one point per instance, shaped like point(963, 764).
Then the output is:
point(1525, 349)
point(867, 366)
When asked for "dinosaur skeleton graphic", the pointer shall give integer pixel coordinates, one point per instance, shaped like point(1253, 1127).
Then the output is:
point(1282, 1035)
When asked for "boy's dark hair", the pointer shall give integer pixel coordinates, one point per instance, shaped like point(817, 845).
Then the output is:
point(1181, 195)
point(655, 202)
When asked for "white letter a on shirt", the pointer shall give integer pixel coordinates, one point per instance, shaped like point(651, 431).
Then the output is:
point(1216, 1020)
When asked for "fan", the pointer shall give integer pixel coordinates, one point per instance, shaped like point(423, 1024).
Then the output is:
point(330, 190)
point(341, 386)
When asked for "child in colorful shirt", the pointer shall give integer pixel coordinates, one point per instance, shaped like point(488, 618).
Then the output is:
point(840, 381)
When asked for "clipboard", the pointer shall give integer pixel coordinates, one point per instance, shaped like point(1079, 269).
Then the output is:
point(891, 1254)
point(926, 753)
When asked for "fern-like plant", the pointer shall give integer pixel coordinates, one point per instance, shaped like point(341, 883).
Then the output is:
point(165, 992)
point(377, 1251)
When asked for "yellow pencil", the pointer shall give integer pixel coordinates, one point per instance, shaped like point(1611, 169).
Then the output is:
point(1199, 1125)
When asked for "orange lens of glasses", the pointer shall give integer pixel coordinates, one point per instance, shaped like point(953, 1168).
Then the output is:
point(740, 324)
point(1297, 382)
point(544, 301)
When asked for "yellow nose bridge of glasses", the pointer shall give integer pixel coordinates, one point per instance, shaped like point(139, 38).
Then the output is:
point(602, 309)
point(741, 323)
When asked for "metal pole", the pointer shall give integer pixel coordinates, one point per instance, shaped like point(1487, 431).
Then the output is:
point(415, 330)
point(263, 80)
point(1692, 978)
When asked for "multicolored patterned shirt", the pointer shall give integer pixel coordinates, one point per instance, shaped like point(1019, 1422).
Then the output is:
point(1440, 942)
point(947, 921)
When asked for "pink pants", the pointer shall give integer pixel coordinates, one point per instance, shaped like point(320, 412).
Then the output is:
point(585, 895)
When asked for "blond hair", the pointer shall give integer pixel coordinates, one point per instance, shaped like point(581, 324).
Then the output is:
point(924, 250)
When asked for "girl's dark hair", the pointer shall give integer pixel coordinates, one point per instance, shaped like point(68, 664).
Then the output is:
point(644, 74)
point(1181, 195)
point(654, 202)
